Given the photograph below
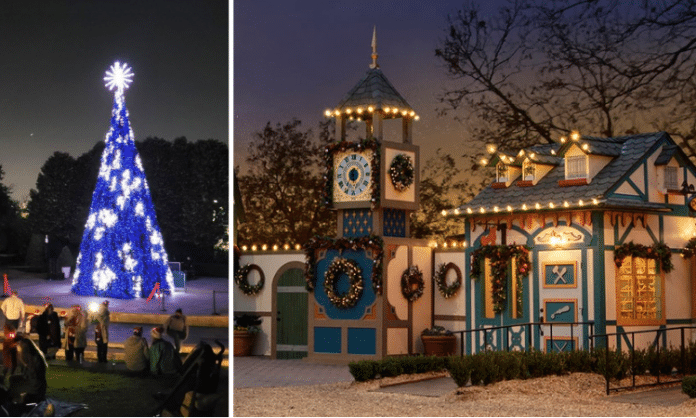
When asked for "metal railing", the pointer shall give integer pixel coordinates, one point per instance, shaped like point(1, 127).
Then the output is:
point(531, 328)
point(660, 334)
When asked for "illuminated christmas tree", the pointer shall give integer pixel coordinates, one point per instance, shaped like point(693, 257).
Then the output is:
point(122, 252)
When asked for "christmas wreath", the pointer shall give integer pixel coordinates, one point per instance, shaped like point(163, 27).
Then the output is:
point(441, 280)
point(338, 267)
point(690, 249)
point(401, 172)
point(412, 283)
point(371, 243)
point(658, 251)
point(241, 278)
point(500, 256)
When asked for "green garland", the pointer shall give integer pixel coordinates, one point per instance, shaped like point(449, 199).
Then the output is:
point(369, 243)
point(401, 172)
point(500, 256)
point(241, 278)
point(658, 251)
point(339, 266)
point(690, 249)
point(341, 146)
point(441, 280)
point(411, 276)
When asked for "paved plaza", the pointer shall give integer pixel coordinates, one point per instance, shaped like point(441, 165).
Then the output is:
point(260, 371)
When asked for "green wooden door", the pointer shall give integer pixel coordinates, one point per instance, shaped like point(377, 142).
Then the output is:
point(292, 315)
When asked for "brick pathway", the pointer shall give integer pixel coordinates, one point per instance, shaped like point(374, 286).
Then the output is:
point(259, 371)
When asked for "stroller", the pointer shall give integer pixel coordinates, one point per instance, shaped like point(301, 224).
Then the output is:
point(195, 391)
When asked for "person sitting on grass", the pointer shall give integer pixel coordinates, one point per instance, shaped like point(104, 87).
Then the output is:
point(163, 357)
point(25, 378)
point(136, 352)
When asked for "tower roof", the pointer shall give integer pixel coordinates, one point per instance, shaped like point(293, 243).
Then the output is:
point(373, 93)
point(374, 90)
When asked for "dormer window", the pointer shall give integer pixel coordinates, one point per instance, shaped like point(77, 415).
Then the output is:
point(671, 178)
point(576, 167)
point(501, 173)
point(528, 170)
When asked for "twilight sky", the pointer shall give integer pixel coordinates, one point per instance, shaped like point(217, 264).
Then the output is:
point(53, 58)
point(298, 58)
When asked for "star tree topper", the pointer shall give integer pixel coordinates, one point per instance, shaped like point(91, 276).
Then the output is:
point(118, 77)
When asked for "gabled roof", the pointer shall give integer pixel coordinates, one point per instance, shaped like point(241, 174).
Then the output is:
point(633, 150)
point(593, 145)
point(667, 153)
point(373, 90)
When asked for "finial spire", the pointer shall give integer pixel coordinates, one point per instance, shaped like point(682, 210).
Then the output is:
point(374, 48)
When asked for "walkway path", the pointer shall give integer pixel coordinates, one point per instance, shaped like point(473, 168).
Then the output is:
point(259, 371)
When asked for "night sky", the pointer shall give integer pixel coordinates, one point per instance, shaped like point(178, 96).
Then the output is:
point(53, 58)
point(298, 58)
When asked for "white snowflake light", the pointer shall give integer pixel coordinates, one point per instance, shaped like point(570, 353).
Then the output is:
point(118, 77)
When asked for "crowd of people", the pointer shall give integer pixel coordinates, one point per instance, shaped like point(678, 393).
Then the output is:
point(159, 357)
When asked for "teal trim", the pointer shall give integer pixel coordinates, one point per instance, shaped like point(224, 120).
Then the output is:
point(650, 232)
point(629, 197)
point(583, 304)
point(611, 323)
point(599, 274)
point(467, 280)
point(625, 234)
point(638, 163)
point(645, 174)
point(683, 321)
point(661, 219)
point(641, 193)
point(679, 210)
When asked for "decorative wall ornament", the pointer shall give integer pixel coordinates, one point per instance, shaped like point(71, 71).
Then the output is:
point(401, 172)
point(412, 283)
point(241, 279)
point(351, 268)
point(690, 249)
point(500, 256)
point(563, 237)
point(441, 280)
point(658, 251)
point(370, 243)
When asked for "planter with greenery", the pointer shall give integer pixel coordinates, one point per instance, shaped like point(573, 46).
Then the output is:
point(438, 341)
point(246, 328)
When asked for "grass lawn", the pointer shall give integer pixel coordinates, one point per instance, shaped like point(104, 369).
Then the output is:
point(111, 394)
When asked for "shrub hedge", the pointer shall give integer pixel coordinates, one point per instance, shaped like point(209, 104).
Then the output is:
point(689, 386)
point(494, 366)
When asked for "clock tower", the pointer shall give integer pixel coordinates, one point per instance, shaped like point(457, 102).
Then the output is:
point(366, 303)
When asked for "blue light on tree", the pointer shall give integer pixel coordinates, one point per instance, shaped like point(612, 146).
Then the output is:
point(122, 252)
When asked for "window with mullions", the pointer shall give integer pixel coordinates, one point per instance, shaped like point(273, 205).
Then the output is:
point(528, 170)
point(576, 167)
point(502, 172)
point(639, 292)
point(671, 182)
point(513, 289)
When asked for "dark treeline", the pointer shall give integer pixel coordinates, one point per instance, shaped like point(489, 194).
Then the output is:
point(188, 182)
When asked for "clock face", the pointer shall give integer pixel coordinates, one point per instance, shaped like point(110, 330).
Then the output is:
point(692, 203)
point(353, 175)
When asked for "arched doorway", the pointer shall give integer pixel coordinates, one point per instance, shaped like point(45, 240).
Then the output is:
point(291, 315)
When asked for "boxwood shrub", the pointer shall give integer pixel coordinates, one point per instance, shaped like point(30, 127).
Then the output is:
point(689, 386)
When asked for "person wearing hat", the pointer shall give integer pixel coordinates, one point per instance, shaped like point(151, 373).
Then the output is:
point(163, 358)
point(48, 328)
point(136, 352)
point(177, 328)
point(101, 331)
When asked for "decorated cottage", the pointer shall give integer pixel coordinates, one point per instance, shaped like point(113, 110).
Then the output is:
point(583, 237)
point(591, 231)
